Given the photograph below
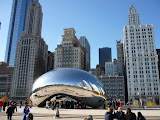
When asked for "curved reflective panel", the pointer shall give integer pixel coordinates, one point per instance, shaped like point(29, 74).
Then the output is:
point(71, 82)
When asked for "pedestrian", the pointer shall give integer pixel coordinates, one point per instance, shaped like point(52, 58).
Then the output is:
point(21, 104)
point(89, 117)
point(110, 104)
point(57, 112)
point(9, 112)
point(25, 112)
point(30, 116)
point(129, 115)
point(120, 114)
point(109, 114)
point(120, 103)
point(4, 105)
point(140, 116)
point(1, 105)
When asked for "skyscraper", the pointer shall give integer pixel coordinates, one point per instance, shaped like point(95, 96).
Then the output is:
point(158, 58)
point(120, 58)
point(104, 56)
point(133, 16)
point(84, 43)
point(31, 55)
point(140, 60)
point(70, 54)
point(17, 25)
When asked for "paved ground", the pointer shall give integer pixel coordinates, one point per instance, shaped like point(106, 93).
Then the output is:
point(76, 114)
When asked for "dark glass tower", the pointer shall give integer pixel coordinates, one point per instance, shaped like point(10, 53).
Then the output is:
point(16, 26)
point(104, 56)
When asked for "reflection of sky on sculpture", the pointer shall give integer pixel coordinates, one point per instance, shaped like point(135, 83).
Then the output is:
point(66, 76)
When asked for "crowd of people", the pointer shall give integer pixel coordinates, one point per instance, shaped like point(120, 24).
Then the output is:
point(11, 106)
point(120, 115)
point(65, 104)
point(115, 104)
point(114, 111)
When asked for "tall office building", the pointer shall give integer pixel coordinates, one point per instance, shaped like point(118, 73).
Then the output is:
point(114, 87)
point(17, 25)
point(133, 16)
point(84, 43)
point(111, 68)
point(50, 61)
point(140, 60)
point(158, 59)
point(105, 55)
point(70, 54)
point(6, 73)
point(31, 55)
point(120, 58)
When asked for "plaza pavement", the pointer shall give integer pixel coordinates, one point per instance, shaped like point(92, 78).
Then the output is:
point(76, 114)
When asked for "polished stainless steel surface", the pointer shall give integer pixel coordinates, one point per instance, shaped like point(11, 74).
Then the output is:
point(77, 84)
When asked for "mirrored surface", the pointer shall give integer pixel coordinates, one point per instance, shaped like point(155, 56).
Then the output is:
point(74, 83)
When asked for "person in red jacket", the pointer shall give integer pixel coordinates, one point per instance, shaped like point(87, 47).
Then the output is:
point(120, 103)
point(1, 105)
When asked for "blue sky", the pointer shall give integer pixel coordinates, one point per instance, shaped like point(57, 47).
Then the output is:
point(101, 21)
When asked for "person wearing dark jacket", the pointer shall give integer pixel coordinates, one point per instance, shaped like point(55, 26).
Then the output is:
point(109, 115)
point(9, 112)
point(140, 116)
point(120, 114)
point(129, 115)
point(4, 105)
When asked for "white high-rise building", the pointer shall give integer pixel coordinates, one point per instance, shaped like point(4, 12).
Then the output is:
point(133, 16)
point(140, 60)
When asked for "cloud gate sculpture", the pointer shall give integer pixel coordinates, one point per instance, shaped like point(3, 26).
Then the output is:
point(74, 83)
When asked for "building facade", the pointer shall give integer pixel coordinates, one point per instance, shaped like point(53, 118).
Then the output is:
point(16, 26)
point(6, 73)
point(105, 55)
point(31, 55)
point(50, 62)
point(84, 43)
point(111, 68)
point(120, 58)
point(158, 59)
point(114, 87)
point(93, 71)
point(70, 54)
point(140, 60)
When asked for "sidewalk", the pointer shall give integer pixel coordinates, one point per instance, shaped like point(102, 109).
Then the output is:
point(75, 114)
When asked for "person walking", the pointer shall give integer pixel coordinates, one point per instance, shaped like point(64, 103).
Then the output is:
point(25, 112)
point(140, 116)
point(120, 103)
point(89, 117)
point(21, 104)
point(1, 105)
point(9, 112)
point(109, 114)
point(4, 105)
point(120, 114)
point(129, 115)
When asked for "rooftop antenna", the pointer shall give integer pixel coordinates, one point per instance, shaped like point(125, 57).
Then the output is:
point(59, 40)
